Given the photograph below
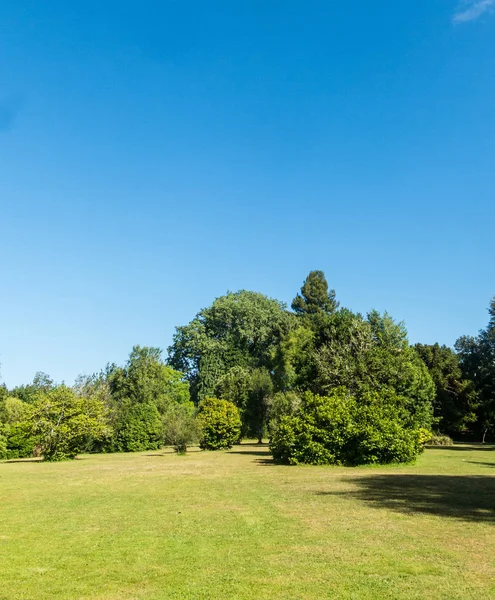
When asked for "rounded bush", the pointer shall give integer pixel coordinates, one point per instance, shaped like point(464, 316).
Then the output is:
point(220, 423)
point(340, 430)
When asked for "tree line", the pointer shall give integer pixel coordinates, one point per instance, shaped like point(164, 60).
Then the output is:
point(323, 383)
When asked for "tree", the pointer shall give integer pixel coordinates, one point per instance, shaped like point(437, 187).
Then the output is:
point(139, 395)
point(369, 355)
point(260, 391)
point(477, 361)
point(456, 399)
point(147, 379)
point(66, 424)
point(220, 422)
point(181, 428)
point(29, 393)
point(315, 297)
point(240, 329)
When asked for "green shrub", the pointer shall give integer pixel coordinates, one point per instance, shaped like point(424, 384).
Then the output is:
point(140, 428)
point(181, 427)
point(65, 424)
point(20, 444)
point(3, 446)
point(220, 423)
point(339, 430)
point(440, 440)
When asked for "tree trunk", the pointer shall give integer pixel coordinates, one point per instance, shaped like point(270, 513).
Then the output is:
point(484, 436)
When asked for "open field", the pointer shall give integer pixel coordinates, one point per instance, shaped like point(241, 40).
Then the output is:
point(233, 525)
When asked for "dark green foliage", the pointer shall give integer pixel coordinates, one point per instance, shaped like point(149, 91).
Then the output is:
point(254, 416)
point(241, 329)
point(338, 429)
point(220, 423)
point(19, 442)
point(250, 390)
point(363, 355)
point(139, 427)
point(315, 297)
point(455, 400)
point(477, 361)
point(16, 439)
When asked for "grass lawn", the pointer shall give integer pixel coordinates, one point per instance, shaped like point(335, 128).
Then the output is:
point(233, 525)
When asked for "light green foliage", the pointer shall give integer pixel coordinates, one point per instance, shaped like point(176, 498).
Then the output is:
point(220, 423)
point(293, 363)
point(241, 329)
point(147, 379)
point(181, 427)
point(404, 374)
point(386, 333)
point(424, 435)
point(338, 429)
point(3, 444)
point(280, 405)
point(139, 395)
point(65, 424)
point(235, 385)
point(12, 410)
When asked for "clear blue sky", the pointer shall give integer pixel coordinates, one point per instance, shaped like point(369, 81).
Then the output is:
point(154, 155)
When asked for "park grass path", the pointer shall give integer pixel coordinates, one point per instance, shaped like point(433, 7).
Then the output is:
point(231, 524)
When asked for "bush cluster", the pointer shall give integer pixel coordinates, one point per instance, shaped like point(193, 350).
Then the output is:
point(340, 430)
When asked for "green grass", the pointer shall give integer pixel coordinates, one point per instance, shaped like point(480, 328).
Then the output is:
point(233, 525)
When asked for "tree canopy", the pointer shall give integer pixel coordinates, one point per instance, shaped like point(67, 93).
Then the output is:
point(248, 363)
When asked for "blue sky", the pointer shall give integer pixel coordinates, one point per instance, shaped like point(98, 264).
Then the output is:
point(154, 155)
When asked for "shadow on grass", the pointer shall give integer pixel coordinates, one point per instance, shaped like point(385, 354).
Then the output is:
point(13, 461)
point(465, 497)
point(250, 452)
point(483, 464)
point(172, 452)
point(269, 462)
point(464, 447)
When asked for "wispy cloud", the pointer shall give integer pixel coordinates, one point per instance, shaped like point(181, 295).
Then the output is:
point(472, 9)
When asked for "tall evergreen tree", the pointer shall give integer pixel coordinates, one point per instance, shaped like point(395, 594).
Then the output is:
point(477, 360)
point(315, 297)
